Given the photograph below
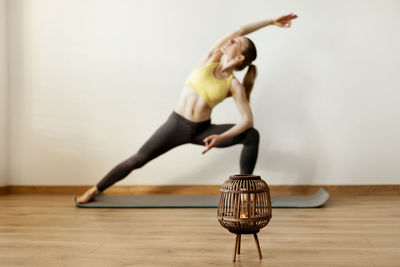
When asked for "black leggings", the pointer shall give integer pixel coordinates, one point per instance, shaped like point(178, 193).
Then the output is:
point(177, 131)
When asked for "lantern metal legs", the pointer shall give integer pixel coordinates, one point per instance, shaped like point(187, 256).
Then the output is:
point(237, 246)
point(258, 246)
point(240, 238)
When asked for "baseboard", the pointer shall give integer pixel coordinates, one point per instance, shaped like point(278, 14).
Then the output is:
point(4, 190)
point(203, 189)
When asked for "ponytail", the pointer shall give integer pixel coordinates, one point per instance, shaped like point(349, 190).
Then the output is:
point(248, 80)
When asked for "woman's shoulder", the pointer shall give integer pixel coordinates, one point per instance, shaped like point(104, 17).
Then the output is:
point(235, 80)
point(236, 84)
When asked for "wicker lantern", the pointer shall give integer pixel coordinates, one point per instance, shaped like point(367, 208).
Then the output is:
point(244, 207)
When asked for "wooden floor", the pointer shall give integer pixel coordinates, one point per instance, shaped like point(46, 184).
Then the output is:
point(48, 230)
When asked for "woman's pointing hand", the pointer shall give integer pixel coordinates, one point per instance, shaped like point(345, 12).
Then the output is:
point(211, 141)
point(284, 21)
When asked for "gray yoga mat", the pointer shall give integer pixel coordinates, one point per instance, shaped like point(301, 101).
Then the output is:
point(205, 201)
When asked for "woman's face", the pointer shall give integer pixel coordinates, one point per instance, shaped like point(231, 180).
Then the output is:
point(234, 47)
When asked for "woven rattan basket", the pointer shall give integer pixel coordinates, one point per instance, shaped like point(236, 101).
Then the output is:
point(244, 207)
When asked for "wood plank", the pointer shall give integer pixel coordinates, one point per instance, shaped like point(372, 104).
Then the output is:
point(48, 230)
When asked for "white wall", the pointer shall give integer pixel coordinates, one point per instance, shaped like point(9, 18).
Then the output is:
point(91, 80)
point(3, 94)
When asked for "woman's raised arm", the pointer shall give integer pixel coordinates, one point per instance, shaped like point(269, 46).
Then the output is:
point(282, 21)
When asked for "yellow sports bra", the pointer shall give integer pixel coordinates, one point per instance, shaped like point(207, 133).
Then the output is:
point(211, 89)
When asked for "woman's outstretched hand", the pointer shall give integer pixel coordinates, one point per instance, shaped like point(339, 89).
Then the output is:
point(284, 21)
point(211, 141)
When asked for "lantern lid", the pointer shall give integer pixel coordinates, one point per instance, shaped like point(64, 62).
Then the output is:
point(245, 177)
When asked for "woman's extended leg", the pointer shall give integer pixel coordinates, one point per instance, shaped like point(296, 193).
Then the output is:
point(168, 136)
point(250, 140)
point(171, 134)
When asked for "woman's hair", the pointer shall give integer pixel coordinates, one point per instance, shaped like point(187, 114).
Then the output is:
point(250, 54)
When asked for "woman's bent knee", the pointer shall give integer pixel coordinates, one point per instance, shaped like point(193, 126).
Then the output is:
point(253, 135)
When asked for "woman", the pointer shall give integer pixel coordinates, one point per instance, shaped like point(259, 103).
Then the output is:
point(190, 122)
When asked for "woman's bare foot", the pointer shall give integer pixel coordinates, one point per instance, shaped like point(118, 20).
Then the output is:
point(88, 195)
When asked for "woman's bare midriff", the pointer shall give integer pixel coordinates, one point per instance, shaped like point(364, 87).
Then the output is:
point(191, 106)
